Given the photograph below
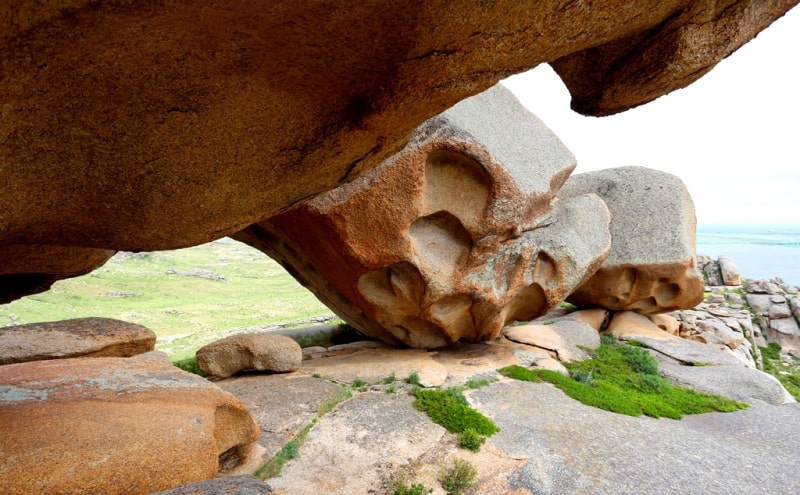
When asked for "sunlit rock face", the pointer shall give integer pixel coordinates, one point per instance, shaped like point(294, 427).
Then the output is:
point(652, 267)
point(114, 425)
point(451, 238)
point(158, 125)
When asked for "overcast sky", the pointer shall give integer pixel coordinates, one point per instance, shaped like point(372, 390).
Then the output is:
point(733, 136)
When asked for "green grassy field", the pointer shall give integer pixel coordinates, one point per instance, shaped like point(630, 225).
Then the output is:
point(188, 297)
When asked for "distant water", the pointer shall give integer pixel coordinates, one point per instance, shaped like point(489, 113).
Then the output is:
point(759, 252)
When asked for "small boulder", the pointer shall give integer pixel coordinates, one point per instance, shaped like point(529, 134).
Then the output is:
point(652, 266)
point(253, 351)
point(729, 271)
point(114, 426)
point(82, 337)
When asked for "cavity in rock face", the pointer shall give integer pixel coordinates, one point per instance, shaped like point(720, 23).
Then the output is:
point(652, 265)
point(451, 238)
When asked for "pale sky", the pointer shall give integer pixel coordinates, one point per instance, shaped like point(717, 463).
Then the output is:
point(733, 136)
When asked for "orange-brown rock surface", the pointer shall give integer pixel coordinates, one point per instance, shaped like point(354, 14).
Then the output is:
point(453, 237)
point(114, 426)
point(81, 337)
point(30, 269)
point(156, 125)
point(652, 267)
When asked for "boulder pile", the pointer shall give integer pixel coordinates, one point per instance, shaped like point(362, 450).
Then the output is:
point(476, 223)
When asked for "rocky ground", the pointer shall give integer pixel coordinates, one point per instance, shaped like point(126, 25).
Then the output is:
point(548, 443)
point(343, 422)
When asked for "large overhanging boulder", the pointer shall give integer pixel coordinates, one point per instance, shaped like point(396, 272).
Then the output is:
point(453, 237)
point(147, 126)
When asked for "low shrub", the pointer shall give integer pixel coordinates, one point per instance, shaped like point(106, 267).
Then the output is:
point(458, 477)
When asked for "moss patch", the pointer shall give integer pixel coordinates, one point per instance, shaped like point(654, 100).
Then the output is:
point(450, 409)
point(623, 379)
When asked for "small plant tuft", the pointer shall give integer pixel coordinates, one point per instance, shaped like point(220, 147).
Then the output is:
point(583, 376)
point(471, 440)
point(189, 364)
point(401, 487)
point(459, 477)
point(475, 384)
point(413, 379)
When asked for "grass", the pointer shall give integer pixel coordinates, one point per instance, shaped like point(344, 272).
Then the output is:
point(458, 478)
point(171, 293)
point(783, 367)
point(450, 409)
point(624, 379)
point(413, 378)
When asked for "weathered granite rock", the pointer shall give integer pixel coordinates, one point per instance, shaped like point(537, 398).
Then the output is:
point(250, 351)
point(666, 322)
point(143, 126)
point(710, 270)
point(113, 426)
point(226, 485)
point(732, 381)
point(567, 339)
point(30, 269)
point(82, 337)
point(453, 237)
point(651, 267)
point(687, 351)
point(631, 325)
point(628, 71)
point(729, 271)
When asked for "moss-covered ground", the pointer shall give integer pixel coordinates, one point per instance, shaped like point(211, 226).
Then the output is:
point(624, 379)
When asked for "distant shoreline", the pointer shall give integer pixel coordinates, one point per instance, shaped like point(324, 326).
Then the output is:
point(760, 252)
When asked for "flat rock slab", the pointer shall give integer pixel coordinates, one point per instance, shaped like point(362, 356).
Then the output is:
point(351, 449)
point(228, 485)
point(573, 448)
point(689, 351)
point(281, 404)
point(735, 382)
point(631, 325)
point(81, 337)
point(562, 337)
point(376, 364)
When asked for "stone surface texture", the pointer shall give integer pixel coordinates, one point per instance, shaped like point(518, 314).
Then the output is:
point(226, 485)
point(652, 264)
point(82, 337)
point(250, 351)
point(628, 71)
point(30, 269)
point(142, 126)
point(114, 426)
point(453, 237)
